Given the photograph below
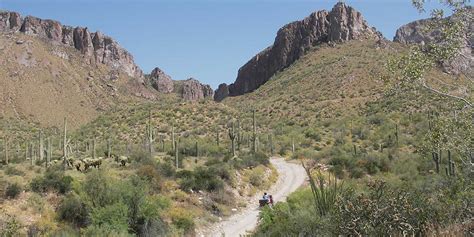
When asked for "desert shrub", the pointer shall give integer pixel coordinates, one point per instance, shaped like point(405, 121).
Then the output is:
point(151, 174)
point(74, 210)
point(13, 190)
point(223, 197)
point(113, 217)
point(11, 170)
point(182, 219)
point(251, 160)
point(99, 189)
point(9, 226)
point(257, 176)
point(52, 180)
point(384, 211)
point(201, 178)
point(313, 133)
point(166, 169)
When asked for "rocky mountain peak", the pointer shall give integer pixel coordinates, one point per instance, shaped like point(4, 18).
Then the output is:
point(96, 47)
point(193, 90)
point(293, 40)
point(161, 81)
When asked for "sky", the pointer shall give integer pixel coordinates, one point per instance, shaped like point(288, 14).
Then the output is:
point(205, 39)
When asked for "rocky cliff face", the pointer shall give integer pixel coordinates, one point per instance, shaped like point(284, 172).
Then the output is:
point(420, 32)
point(341, 24)
point(96, 47)
point(161, 81)
point(193, 90)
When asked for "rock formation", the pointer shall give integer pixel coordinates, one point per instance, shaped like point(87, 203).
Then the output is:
point(341, 24)
point(421, 32)
point(96, 47)
point(160, 81)
point(193, 90)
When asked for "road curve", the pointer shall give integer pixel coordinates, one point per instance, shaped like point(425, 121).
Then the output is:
point(290, 177)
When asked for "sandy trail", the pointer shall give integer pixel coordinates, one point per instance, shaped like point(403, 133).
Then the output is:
point(291, 176)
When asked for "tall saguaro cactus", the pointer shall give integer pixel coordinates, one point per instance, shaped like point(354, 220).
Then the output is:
point(93, 147)
point(217, 136)
point(232, 137)
point(176, 153)
point(6, 150)
point(254, 147)
point(65, 144)
point(41, 146)
point(49, 153)
point(173, 141)
point(270, 144)
point(150, 135)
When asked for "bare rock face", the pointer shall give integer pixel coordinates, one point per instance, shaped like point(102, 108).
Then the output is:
point(96, 47)
point(222, 92)
point(420, 32)
point(193, 90)
point(161, 81)
point(341, 24)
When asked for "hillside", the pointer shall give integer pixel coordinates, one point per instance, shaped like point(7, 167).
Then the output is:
point(43, 82)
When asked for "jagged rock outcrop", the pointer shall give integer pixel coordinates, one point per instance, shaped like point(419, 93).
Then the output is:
point(222, 92)
point(96, 47)
point(193, 90)
point(341, 24)
point(420, 32)
point(161, 81)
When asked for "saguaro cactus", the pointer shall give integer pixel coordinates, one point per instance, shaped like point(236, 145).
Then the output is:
point(150, 134)
point(254, 147)
point(173, 142)
point(6, 150)
point(239, 137)
point(396, 133)
point(436, 160)
point(232, 137)
point(176, 153)
point(109, 148)
point(270, 143)
point(40, 146)
point(217, 136)
point(93, 147)
point(49, 153)
point(65, 144)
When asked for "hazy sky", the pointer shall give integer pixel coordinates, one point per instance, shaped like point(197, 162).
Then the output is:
point(206, 39)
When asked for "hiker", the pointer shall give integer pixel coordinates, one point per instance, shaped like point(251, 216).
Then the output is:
point(266, 197)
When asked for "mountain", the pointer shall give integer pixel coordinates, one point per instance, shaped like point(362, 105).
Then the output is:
point(49, 71)
point(420, 31)
point(95, 47)
point(342, 23)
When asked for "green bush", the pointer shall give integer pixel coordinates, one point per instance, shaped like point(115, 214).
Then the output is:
point(113, 217)
point(201, 178)
point(73, 210)
point(52, 180)
point(13, 190)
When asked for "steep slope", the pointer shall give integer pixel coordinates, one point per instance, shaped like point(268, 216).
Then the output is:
point(331, 82)
point(44, 82)
point(50, 71)
point(342, 23)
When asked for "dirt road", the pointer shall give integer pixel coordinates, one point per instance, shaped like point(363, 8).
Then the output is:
point(291, 176)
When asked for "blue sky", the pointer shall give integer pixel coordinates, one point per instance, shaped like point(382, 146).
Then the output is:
point(206, 39)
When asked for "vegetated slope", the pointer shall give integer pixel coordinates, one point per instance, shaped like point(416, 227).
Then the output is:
point(44, 82)
point(336, 81)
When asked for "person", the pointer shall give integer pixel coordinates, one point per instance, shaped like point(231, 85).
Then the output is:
point(265, 197)
point(271, 199)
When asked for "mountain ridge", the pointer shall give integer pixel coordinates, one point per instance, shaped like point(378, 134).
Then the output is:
point(342, 23)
